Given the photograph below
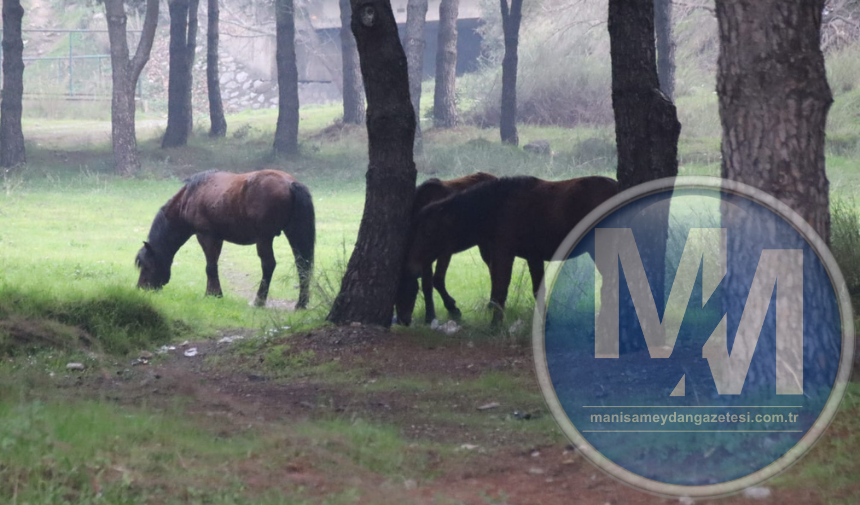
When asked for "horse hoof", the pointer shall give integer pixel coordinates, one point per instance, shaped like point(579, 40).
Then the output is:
point(455, 314)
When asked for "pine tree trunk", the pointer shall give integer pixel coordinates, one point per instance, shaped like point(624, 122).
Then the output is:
point(665, 46)
point(11, 135)
point(287, 132)
point(218, 124)
point(353, 94)
point(369, 285)
point(444, 98)
point(774, 102)
point(646, 130)
point(646, 122)
point(416, 20)
point(190, 53)
point(511, 19)
point(124, 75)
point(178, 85)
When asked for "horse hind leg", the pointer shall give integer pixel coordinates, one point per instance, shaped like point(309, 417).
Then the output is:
point(439, 283)
point(212, 250)
point(427, 284)
point(268, 263)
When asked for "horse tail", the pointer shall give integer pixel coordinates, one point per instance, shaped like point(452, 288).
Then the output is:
point(301, 233)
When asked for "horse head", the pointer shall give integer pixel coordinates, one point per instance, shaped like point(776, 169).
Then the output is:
point(154, 268)
point(429, 237)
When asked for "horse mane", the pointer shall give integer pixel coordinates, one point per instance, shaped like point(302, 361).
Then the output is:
point(482, 198)
point(196, 180)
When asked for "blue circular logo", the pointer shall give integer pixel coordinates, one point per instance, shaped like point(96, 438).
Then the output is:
point(694, 337)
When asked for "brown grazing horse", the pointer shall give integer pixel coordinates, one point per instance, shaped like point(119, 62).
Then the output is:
point(510, 217)
point(434, 190)
point(244, 209)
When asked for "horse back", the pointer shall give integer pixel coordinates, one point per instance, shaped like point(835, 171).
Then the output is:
point(535, 222)
point(240, 208)
point(433, 190)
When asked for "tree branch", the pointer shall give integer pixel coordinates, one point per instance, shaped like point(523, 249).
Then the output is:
point(144, 46)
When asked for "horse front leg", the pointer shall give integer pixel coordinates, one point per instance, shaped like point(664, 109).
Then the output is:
point(427, 289)
point(536, 270)
point(212, 250)
point(267, 261)
point(439, 283)
point(501, 267)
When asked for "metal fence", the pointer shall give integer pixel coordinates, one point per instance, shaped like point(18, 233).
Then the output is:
point(77, 76)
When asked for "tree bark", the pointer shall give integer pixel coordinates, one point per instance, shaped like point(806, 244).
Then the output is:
point(665, 46)
point(511, 19)
point(218, 124)
point(416, 20)
point(287, 131)
point(774, 102)
point(646, 130)
point(183, 31)
point(190, 53)
point(646, 122)
point(371, 278)
point(124, 74)
point(11, 135)
point(444, 98)
point(353, 100)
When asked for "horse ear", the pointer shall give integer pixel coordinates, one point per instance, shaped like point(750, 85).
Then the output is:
point(147, 246)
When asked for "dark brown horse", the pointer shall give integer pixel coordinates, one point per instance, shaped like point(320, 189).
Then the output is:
point(509, 217)
point(434, 190)
point(244, 209)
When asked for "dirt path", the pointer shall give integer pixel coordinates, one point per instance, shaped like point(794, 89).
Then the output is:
point(503, 466)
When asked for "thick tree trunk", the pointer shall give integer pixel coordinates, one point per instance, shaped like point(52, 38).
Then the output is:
point(774, 102)
point(646, 122)
point(369, 285)
point(416, 20)
point(125, 73)
point(179, 83)
point(444, 101)
point(511, 26)
point(646, 129)
point(665, 46)
point(11, 135)
point(287, 132)
point(218, 124)
point(353, 100)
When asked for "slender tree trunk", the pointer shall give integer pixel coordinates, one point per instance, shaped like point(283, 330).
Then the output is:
point(774, 102)
point(416, 20)
point(179, 85)
point(665, 46)
point(11, 135)
point(353, 99)
point(369, 285)
point(124, 74)
point(511, 19)
point(646, 122)
point(646, 129)
point(190, 53)
point(218, 124)
point(444, 98)
point(287, 132)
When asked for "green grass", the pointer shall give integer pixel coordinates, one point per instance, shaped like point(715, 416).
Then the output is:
point(87, 453)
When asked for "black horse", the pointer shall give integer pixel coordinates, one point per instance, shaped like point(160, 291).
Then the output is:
point(434, 190)
point(510, 217)
point(244, 209)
